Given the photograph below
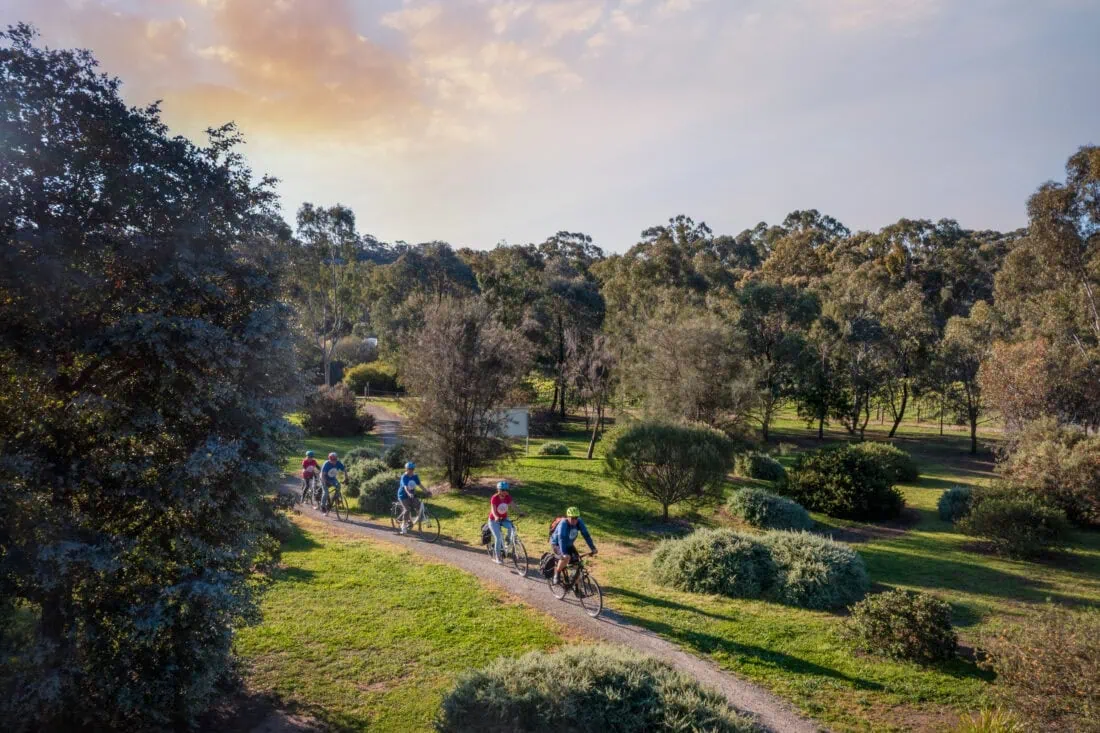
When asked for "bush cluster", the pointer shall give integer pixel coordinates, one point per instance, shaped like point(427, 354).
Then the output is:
point(844, 482)
point(362, 453)
point(377, 493)
point(397, 455)
point(360, 472)
point(903, 624)
point(1017, 523)
point(381, 377)
point(954, 504)
point(768, 511)
point(1048, 668)
point(554, 448)
point(1061, 465)
point(760, 466)
point(795, 568)
point(333, 412)
point(589, 689)
point(899, 465)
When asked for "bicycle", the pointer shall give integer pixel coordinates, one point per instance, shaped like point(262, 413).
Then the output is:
point(513, 549)
point(310, 489)
point(583, 585)
point(338, 503)
point(427, 527)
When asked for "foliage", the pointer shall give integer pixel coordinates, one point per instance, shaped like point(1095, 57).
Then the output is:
point(954, 504)
point(1017, 523)
point(362, 453)
point(670, 463)
point(1060, 464)
point(378, 492)
point(1048, 668)
point(843, 482)
point(718, 561)
point(542, 422)
point(898, 465)
point(139, 440)
point(593, 689)
point(398, 454)
point(334, 412)
point(760, 466)
point(904, 624)
point(362, 471)
point(990, 721)
point(381, 377)
point(461, 368)
point(554, 448)
point(768, 511)
point(353, 351)
point(815, 572)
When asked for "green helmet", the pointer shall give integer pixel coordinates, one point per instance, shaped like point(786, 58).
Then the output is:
point(572, 512)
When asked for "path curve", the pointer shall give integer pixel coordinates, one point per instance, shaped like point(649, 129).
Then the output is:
point(770, 711)
point(387, 424)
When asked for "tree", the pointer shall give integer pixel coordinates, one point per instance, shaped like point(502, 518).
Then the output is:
point(819, 386)
point(592, 375)
point(966, 345)
point(908, 334)
point(460, 368)
point(139, 438)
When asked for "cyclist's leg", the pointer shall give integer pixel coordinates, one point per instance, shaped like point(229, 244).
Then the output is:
point(324, 496)
point(563, 561)
point(407, 514)
point(498, 541)
point(507, 524)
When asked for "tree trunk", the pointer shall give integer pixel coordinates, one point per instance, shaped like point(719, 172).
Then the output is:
point(942, 398)
point(866, 417)
point(821, 427)
point(973, 434)
point(562, 400)
point(554, 402)
point(595, 432)
point(901, 412)
point(666, 512)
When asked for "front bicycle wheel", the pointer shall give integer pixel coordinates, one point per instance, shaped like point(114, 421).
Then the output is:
point(395, 517)
point(519, 556)
point(341, 507)
point(590, 595)
point(559, 589)
point(307, 494)
point(428, 528)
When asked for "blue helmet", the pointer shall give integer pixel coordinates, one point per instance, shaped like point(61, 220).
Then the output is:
point(410, 464)
point(502, 485)
point(309, 454)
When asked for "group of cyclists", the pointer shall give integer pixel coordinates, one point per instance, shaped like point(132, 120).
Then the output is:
point(563, 531)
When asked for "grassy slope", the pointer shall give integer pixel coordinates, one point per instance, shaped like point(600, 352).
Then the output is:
point(799, 653)
point(361, 635)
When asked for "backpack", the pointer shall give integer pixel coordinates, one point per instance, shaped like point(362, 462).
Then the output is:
point(486, 534)
point(554, 525)
point(546, 564)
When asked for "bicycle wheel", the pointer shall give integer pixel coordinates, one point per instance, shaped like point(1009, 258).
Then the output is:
point(395, 516)
point(590, 595)
point(307, 494)
point(559, 590)
point(341, 507)
point(428, 527)
point(519, 556)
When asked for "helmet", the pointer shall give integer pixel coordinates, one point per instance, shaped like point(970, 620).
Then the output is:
point(410, 464)
point(332, 456)
point(572, 512)
point(502, 485)
point(309, 454)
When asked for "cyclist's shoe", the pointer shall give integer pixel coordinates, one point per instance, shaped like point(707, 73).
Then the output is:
point(496, 559)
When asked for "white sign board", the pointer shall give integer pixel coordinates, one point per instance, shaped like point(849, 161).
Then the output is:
point(515, 422)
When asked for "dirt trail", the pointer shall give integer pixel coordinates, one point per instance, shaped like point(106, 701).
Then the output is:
point(773, 713)
point(387, 424)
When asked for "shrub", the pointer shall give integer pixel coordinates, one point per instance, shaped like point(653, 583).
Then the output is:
point(377, 493)
point(760, 466)
point(543, 422)
point(591, 689)
point(1016, 523)
point(714, 561)
point(554, 449)
point(397, 455)
point(787, 449)
point(360, 472)
point(768, 511)
point(333, 412)
point(1061, 464)
point(843, 482)
point(815, 572)
point(898, 464)
point(990, 721)
point(1048, 668)
point(351, 492)
point(381, 378)
point(353, 350)
point(903, 624)
point(362, 453)
point(669, 463)
point(954, 503)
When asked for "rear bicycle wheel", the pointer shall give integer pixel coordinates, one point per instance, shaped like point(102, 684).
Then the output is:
point(519, 556)
point(395, 516)
point(428, 527)
point(341, 506)
point(307, 494)
point(590, 595)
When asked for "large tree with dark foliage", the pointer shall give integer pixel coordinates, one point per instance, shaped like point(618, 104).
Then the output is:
point(144, 363)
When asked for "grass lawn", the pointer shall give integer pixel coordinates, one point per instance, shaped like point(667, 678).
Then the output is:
point(323, 446)
point(364, 636)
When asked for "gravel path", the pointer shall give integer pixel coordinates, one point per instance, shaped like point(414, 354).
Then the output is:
point(773, 713)
point(387, 424)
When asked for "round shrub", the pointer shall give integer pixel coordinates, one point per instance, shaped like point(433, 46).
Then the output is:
point(362, 453)
point(554, 448)
point(954, 503)
point(378, 492)
point(360, 472)
point(397, 455)
point(1061, 464)
point(380, 377)
point(898, 464)
point(903, 624)
point(714, 561)
point(815, 572)
point(768, 511)
point(1015, 522)
point(760, 466)
point(333, 412)
point(843, 482)
point(589, 689)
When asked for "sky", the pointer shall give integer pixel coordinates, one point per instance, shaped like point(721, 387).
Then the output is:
point(485, 121)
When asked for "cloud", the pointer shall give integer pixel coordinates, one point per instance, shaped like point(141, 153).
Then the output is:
point(560, 19)
point(860, 15)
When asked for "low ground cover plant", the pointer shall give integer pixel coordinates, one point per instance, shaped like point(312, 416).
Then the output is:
point(554, 448)
point(903, 624)
point(844, 482)
point(814, 571)
point(590, 689)
point(760, 466)
point(765, 510)
point(954, 504)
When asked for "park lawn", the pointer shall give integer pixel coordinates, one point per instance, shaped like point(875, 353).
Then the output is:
point(364, 636)
point(323, 446)
point(797, 653)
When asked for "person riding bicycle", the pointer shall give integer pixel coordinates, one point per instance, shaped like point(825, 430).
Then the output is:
point(563, 537)
point(328, 478)
point(310, 468)
point(406, 495)
point(499, 505)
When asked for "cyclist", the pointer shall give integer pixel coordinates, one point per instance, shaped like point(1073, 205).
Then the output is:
point(328, 478)
point(406, 495)
point(564, 535)
point(499, 505)
point(310, 468)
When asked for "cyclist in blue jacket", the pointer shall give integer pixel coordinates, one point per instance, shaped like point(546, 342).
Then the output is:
point(406, 495)
point(563, 537)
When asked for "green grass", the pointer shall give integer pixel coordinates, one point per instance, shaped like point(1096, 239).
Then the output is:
point(364, 636)
point(323, 446)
